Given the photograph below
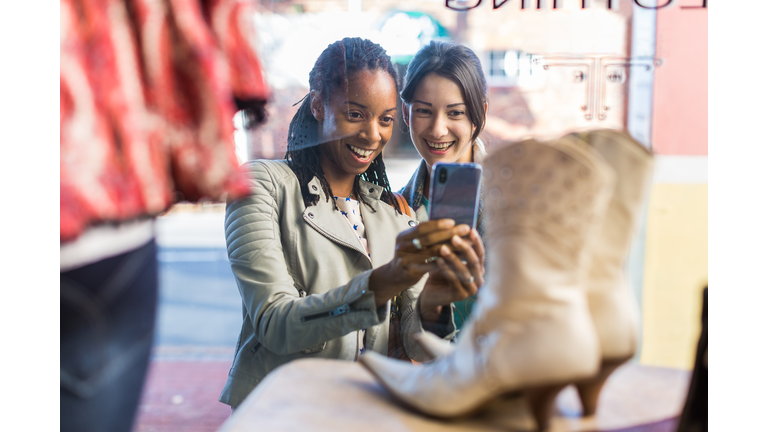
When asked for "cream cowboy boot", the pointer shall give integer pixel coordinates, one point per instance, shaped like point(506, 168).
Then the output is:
point(611, 302)
point(531, 330)
point(432, 345)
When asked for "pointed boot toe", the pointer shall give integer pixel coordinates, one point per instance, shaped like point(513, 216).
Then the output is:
point(433, 346)
point(443, 388)
point(393, 374)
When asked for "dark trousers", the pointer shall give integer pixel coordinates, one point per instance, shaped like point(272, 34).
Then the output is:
point(107, 323)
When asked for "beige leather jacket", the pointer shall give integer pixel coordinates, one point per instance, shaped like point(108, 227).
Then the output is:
point(303, 277)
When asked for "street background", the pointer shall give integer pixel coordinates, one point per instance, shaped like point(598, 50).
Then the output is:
point(652, 83)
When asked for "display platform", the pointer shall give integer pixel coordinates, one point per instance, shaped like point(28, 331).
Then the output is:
point(332, 395)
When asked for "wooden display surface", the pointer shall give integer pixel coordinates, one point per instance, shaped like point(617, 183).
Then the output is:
point(333, 395)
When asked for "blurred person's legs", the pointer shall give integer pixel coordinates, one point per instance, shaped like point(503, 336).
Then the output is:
point(107, 322)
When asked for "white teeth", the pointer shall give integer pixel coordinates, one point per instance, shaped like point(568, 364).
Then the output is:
point(362, 153)
point(439, 146)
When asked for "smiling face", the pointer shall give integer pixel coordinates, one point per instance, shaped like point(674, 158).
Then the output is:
point(438, 121)
point(357, 124)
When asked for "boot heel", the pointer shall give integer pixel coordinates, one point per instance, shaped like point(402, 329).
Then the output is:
point(589, 389)
point(541, 401)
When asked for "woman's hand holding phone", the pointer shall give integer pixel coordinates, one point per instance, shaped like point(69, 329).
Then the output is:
point(417, 251)
point(460, 272)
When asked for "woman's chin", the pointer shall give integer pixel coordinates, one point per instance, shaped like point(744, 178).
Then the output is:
point(433, 158)
point(357, 168)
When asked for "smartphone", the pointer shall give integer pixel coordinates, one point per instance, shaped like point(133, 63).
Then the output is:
point(454, 192)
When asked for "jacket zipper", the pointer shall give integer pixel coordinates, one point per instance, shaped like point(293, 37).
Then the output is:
point(341, 310)
point(255, 348)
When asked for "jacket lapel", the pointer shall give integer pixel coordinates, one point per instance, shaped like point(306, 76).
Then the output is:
point(380, 227)
point(330, 223)
point(381, 239)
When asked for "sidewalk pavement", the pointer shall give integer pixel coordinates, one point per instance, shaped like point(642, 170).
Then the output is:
point(181, 391)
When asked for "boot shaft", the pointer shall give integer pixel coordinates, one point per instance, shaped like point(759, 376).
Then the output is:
point(544, 202)
point(633, 164)
point(612, 304)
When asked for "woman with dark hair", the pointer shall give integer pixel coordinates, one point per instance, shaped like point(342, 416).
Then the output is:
point(315, 248)
point(444, 107)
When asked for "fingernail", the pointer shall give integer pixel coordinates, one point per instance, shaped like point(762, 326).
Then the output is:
point(464, 229)
point(444, 250)
point(456, 240)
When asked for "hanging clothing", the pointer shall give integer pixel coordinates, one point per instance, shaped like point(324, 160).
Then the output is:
point(148, 91)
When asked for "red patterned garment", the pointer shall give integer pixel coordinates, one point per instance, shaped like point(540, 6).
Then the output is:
point(147, 107)
point(232, 24)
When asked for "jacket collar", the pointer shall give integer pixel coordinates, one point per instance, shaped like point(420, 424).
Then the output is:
point(324, 218)
point(380, 240)
point(413, 192)
point(369, 190)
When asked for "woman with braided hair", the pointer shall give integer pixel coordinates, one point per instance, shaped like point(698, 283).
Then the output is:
point(320, 247)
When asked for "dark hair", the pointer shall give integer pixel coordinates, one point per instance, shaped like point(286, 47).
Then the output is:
point(331, 74)
point(457, 63)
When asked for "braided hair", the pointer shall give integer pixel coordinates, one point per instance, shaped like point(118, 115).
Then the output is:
point(330, 74)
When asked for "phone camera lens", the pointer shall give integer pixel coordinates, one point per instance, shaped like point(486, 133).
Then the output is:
point(443, 175)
